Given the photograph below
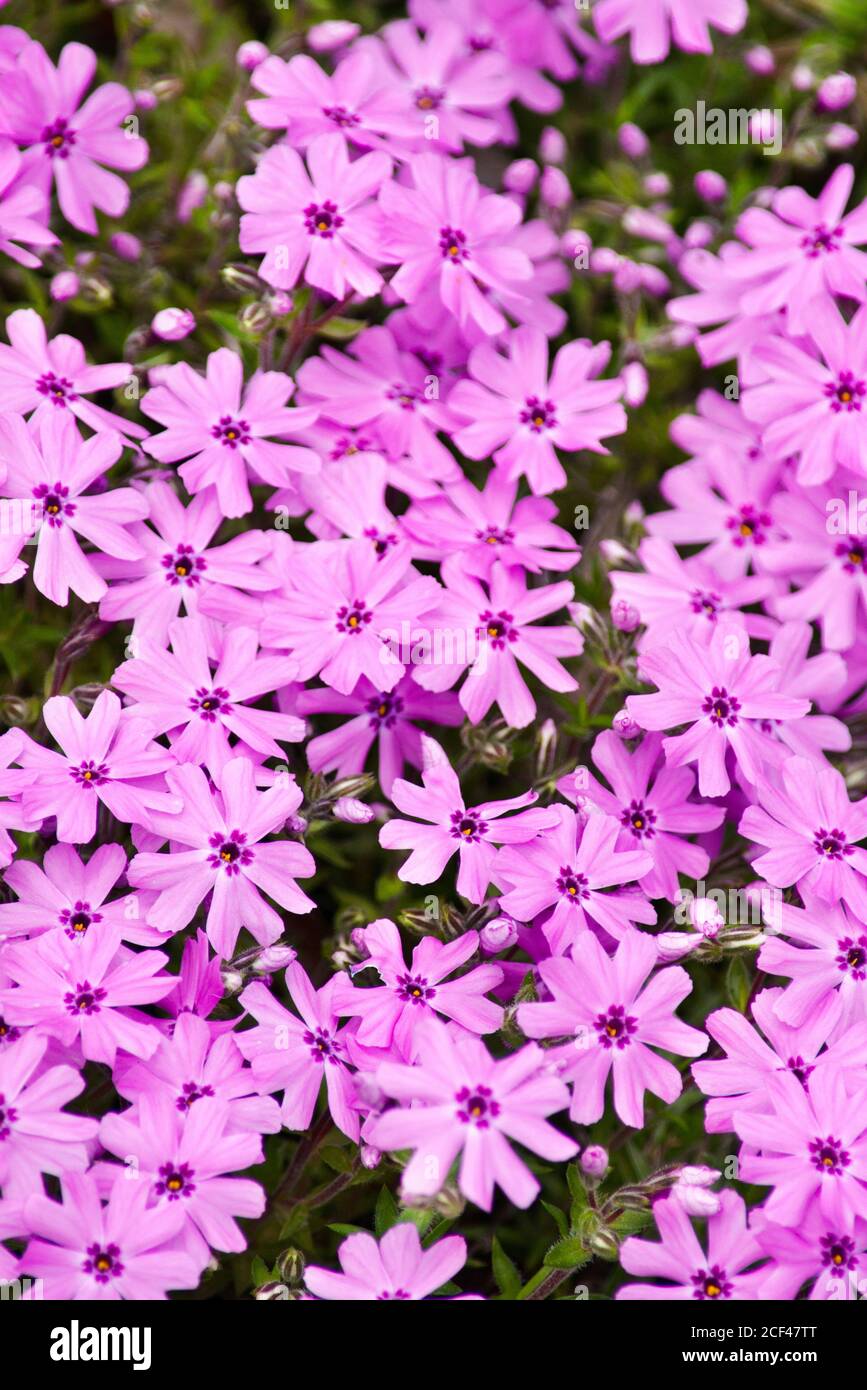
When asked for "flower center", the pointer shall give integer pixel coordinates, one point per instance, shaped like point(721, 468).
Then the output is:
point(58, 139)
point(103, 1262)
point(497, 628)
point(231, 432)
point(190, 1093)
point(183, 566)
point(539, 415)
point(341, 117)
point(467, 826)
point(352, 619)
point(852, 957)
point(54, 504)
point(8, 1116)
point(821, 240)
point(89, 774)
point(323, 1046)
point(855, 553)
point(413, 989)
point(747, 525)
point(829, 1157)
point(831, 844)
point(76, 921)
point(615, 1027)
point(453, 245)
point(384, 709)
point(323, 219)
point(847, 394)
point(230, 852)
point(406, 396)
point(838, 1254)
point(210, 703)
point(176, 1181)
point(84, 999)
point(572, 885)
point(492, 535)
point(476, 1106)
point(639, 819)
point(711, 1283)
point(707, 603)
point(58, 389)
point(722, 707)
point(429, 98)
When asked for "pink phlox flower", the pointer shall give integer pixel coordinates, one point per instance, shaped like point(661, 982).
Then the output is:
point(614, 1017)
point(384, 717)
point(492, 630)
point(86, 990)
point(738, 1082)
point(48, 477)
point(396, 1267)
point(344, 615)
point(826, 953)
point(225, 855)
point(176, 691)
point(819, 678)
point(652, 803)
point(199, 1066)
point(70, 896)
point(392, 1011)
point(225, 425)
point(82, 1250)
point(470, 1104)
point(38, 374)
point(447, 230)
point(453, 828)
point(812, 833)
point(106, 757)
point(178, 562)
point(718, 300)
point(652, 24)
point(725, 695)
point(725, 1271)
point(23, 210)
point(519, 413)
point(36, 1135)
point(296, 1054)
point(67, 142)
point(12, 813)
point(199, 985)
point(182, 1163)
point(827, 1255)
point(567, 871)
point(322, 223)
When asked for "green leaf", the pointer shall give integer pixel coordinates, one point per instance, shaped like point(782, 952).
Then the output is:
point(559, 1217)
point(738, 984)
point(506, 1271)
point(342, 330)
point(387, 1213)
point(567, 1254)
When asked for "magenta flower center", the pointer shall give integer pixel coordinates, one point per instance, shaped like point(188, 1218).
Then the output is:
point(539, 415)
point(84, 999)
point(707, 603)
point(852, 957)
point(353, 618)
point(829, 1157)
point(800, 1069)
point(722, 707)
point(855, 552)
point(231, 432)
point(323, 219)
point(190, 1093)
point(210, 703)
point(183, 566)
point(89, 774)
point(639, 819)
point(58, 139)
point(822, 241)
point(711, 1283)
point(58, 389)
point(342, 118)
point(747, 525)
point(76, 920)
point(831, 844)
point(231, 852)
point(476, 1106)
point(615, 1028)
point(572, 885)
point(493, 535)
point(413, 989)
point(384, 709)
point(346, 446)
point(176, 1181)
point(428, 98)
point(324, 1047)
point(54, 504)
point(406, 396)
point(382, 544)
point(453, 245)
point(497, 628)
point(467, 826)
point(388, 1294)
point(8, 1116)
point(838, 1254)
point(846, 394)
point(103, 1262)
point(7, 1032)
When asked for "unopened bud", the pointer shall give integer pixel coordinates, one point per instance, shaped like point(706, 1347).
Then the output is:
point(498, 936)
point(173, 324)
point(594, 1161)
point(290, 1266)
point(604, 1245)
point(370, 1157)
point(624, 725)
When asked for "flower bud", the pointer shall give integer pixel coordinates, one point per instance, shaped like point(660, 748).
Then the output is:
point(251, 54)
point(633, 141)
point(173, 324)
point(552, 145)
point(710, 186)
point(274, 958)
point(696, 1201)
point(624, 616)
point(760, 60)
point(555, 189)
point(255, 318)
point(594, 1161)
point(635, 383)
point(193, 192)
point(280, 302)
point(290, 1266)
point(521, 176)
point(836, 92)
point(498, 936)
point(64, 285)
point(241, 278)
point(233, 980)
point(624, 725)
point(349, 808)
point(370, 1157)
point(125, 245)
point(615, 552)
point(604, 1245)
point(698, 235)
point(841, 137)
point(803, 78)
point(657, 185)
point(333, 33)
